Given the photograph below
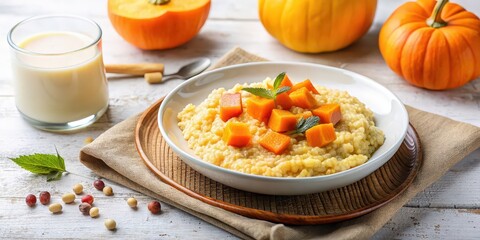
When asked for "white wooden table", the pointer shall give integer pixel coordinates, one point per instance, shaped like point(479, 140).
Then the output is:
point(450, 208)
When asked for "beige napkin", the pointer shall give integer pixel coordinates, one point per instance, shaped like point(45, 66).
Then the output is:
point(445, 142)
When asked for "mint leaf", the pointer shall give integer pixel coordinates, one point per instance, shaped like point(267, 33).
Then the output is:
point(278, 80)
point(54, 176)
point(44, 164)
point(282, 90)
point(261, 92)
point(60, 159)
point(270, 93)
point(304, 124)
point(300, 123)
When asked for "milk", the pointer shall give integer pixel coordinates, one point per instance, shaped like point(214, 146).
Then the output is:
point(57, 83)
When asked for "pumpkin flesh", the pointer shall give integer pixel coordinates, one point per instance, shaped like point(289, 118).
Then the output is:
point(143, 9)
point(150, 26)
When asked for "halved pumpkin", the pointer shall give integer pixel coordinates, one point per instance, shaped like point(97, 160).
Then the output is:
point(158, 24)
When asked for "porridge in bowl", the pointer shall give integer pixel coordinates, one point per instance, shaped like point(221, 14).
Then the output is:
point(280, 129)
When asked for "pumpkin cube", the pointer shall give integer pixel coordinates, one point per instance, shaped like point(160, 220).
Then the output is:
point(275, 142)
point(237, 134)
point(260, 108)
point(283, 99)
point(282, 121)
point(307, 84)
point(230, 106)
point(303, 98)
point(285, 83)
point(328, 113)
point(320, 135)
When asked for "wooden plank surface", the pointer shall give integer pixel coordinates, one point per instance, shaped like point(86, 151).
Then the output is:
point(447, 209)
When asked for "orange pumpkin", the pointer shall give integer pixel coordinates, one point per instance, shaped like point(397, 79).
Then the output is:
point(434, 46)
point(315, 26)
point(158, 24)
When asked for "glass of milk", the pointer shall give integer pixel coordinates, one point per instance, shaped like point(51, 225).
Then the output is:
point(59, 76)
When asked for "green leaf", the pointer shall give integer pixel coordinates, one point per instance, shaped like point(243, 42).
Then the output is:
point(270, 93)
point(300, 123)
point(282, 90)
point(278, 80)
point(261, 92)
point(54, 176)
point(53, 165)
point(60, 159)
point(305, 124)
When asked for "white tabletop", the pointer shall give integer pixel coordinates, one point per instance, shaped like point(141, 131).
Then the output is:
point(450, 208)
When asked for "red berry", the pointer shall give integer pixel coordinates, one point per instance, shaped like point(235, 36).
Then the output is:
point(87, 199)
point(99, 184)
point(154, 207)
point(31, 200)
point(44, 197)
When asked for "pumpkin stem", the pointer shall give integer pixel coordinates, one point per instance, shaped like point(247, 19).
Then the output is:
point(436, 20)
point(158, 2)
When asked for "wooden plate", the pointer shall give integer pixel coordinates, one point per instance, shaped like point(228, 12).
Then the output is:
point(344, 203)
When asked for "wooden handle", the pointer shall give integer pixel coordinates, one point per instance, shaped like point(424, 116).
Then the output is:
point(134, 69)
point(154, 77)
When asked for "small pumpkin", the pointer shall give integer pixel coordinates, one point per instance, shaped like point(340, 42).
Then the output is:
point(432, 45)
point(314, 26)
point(158, 24)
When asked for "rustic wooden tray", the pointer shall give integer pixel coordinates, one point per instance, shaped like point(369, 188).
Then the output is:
point(335, 205)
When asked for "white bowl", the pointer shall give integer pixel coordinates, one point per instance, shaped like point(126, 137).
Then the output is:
point(389, 112)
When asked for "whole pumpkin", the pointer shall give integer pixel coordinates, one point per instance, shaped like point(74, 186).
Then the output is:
point(158, 24)
point(433, 46)
point(315, 26)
